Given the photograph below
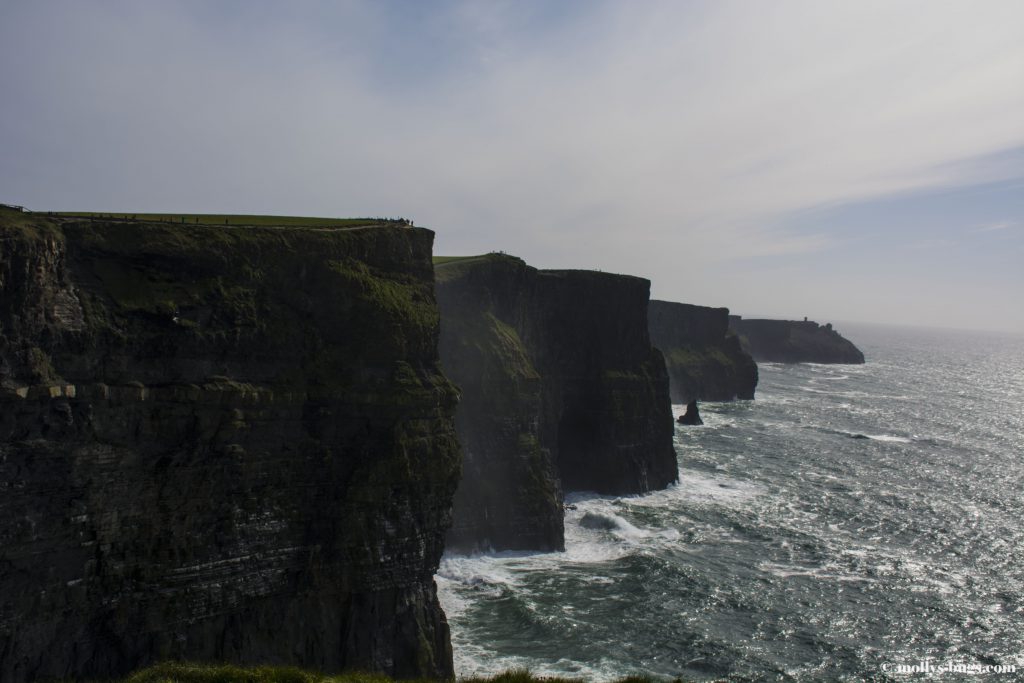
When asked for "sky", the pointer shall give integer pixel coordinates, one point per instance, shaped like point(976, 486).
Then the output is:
point(843, 160)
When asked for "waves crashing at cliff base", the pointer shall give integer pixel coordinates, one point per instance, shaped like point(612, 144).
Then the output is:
point(851, 516)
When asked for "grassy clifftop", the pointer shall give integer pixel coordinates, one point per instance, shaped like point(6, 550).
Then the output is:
point(229, 219)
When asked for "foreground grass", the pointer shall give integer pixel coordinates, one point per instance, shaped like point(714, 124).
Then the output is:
point(173, 672)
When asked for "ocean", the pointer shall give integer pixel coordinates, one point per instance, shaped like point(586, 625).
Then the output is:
point(848, 521)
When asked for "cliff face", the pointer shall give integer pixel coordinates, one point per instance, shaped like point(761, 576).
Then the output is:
point(220, 444)
point(561, 390)
point(703, 358)
point(509, 496)
point(792, 341)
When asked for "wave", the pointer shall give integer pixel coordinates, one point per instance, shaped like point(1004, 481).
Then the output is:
point(889, 438)
point(857, 394)
point(609, 522)
point(785, 571)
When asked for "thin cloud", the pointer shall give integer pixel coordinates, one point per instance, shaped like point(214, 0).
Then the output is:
point(667, 139)
point(995, 227)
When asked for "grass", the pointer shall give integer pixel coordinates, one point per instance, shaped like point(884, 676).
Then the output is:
point(15, 222)
point(453, 267)
point(444, 260)
point(173, 672)
point(230, 219)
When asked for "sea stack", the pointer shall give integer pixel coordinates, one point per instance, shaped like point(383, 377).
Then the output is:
point(691, 416)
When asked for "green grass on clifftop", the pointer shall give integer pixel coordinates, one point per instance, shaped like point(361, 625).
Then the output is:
point(445, 260)
point(229, 219)
point(448, 268)
point(199, 673)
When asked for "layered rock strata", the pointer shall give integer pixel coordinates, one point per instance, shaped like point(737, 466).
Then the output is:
point(703, 357)
point(220, 444)
point(561, 391)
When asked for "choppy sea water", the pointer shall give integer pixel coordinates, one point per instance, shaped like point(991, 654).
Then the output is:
point(848, 518)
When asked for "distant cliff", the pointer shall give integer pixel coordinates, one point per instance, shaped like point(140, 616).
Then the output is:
point(220, 444)
point(703, 357)
point(793, 341)
point(561, 390)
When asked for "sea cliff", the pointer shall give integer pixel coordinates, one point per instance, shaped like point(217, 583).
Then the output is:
point(794, 341)
point(220, 444)
point(704, 359)
point(561, 391)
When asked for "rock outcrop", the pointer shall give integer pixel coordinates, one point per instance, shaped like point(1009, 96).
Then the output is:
point(561, 391)
point(220, 444)
point(692, 415)
point(703, 357)
point(794, 341)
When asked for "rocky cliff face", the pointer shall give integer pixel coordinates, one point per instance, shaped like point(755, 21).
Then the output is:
point(510, 496)
point(703, 358)
point(793, 341)
point(220, 444)
point(561, 390)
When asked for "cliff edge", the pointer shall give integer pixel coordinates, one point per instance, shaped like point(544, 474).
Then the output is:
point(220, 444)
point(561, 391)
point(704, 359)
point(794, 341)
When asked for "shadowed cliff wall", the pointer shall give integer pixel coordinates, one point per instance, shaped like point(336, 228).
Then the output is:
point(703, 358)
point(220, 444)
point(561, 389)
point(794, 341)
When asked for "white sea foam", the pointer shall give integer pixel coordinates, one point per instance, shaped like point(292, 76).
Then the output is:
point(888, 437)
point(892, 438)
point(699, 487)
point(467, 580)
point(610, 522)
point(827, 392)
point(824, 539)
point(829, 572)
point(597, 531)
point(485, 663)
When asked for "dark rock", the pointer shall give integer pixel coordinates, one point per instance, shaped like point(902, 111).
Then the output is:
point(794, 341)
point(561, 390)
point(220, 444)
point(703, 358)
point(691, 416)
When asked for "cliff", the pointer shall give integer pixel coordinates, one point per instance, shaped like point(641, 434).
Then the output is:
point(703, 357)
point(561, 391)
point(793, 341)
point(220, 444)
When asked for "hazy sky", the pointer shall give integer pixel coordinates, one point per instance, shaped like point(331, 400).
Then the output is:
point(845, 160)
